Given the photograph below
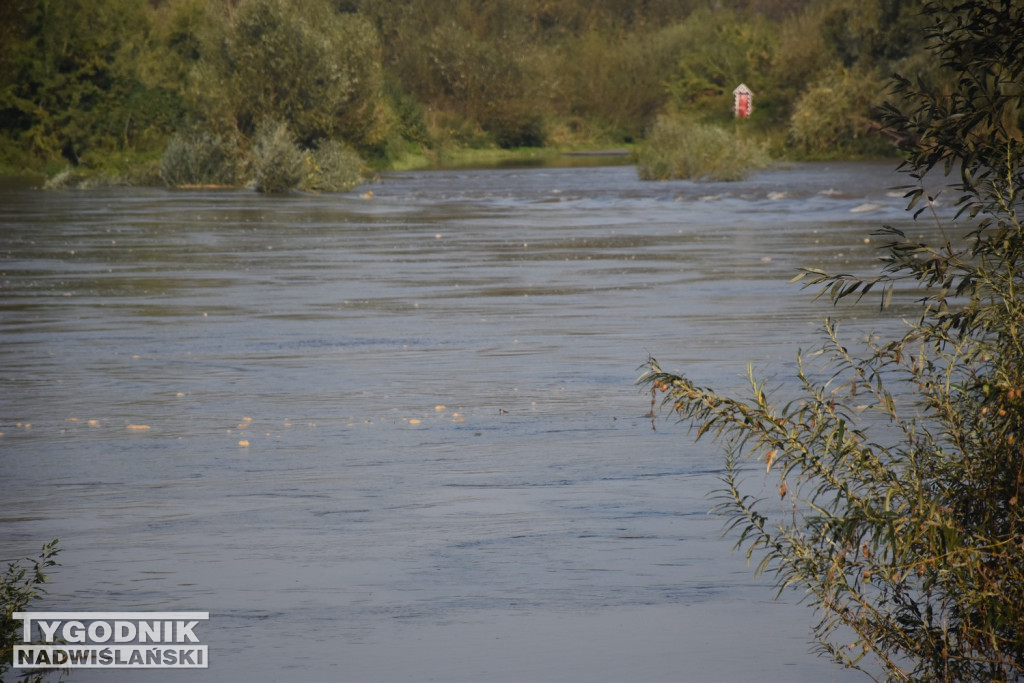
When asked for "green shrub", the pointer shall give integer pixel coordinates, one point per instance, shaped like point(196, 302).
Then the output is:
point(277, 162)
point(332, 167)
point(900, 464)
point(835, 114)
point(199, 159)
point(64, 179)
point(409, 113)
point(451, 130)
point(677, 148)
point(512, 125)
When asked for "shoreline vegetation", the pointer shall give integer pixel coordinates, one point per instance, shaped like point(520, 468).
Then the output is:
point(321, 95)
point(462, 158)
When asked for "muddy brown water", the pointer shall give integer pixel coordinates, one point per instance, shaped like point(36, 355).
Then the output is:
point(398, 438)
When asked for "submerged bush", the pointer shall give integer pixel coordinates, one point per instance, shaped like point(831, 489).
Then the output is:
point(901, 465)
point(199, 159)
point(277, 162)
point(332, 167)
point(64, 179)
point(681, 149)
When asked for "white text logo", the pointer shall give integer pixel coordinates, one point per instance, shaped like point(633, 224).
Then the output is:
point(110, 640)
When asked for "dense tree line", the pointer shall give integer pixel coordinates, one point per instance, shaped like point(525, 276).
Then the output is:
point(111, 84)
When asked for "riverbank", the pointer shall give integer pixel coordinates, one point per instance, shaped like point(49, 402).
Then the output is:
point(146, 173)
point(426, 159)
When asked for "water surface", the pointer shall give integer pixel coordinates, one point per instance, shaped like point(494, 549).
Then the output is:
point(398, 438)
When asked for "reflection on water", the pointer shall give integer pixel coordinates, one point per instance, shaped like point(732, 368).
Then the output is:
point(399, 438)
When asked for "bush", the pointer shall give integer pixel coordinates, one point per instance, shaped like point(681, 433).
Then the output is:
point(199, 159)
point(512, 125)
point(904, 529)
point(18, 588)
point(677, 148)
point(277, 162)
point(332, 167)
point(835, 113)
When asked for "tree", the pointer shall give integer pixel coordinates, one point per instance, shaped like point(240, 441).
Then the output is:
point(618, 81)
point(829, 69)
point(723, 50)
point(905, 529)
point(473, 61)
point(302, 63)
point(72, 85)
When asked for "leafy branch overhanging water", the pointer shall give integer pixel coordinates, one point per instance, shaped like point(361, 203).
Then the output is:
point(905, 533)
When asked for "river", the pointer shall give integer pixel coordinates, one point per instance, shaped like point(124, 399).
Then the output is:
point(398, 438)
